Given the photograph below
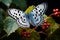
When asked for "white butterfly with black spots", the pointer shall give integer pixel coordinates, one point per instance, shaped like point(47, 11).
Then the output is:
point(35, 17)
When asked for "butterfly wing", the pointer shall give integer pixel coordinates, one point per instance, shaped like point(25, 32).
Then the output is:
point(36, 15)
point(19, 16)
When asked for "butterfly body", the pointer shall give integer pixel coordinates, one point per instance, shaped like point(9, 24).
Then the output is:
point(35, 17)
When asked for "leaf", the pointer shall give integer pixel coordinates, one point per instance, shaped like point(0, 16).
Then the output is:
point(10, 25)
point(53, 25)
point(1, 19)
point(45, 16)
point(21, 3)
point(7, 2)
point(55, 35)
point(35, 36)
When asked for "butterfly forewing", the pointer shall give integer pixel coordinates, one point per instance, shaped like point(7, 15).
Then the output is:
point(19, 16)
point(36, 15)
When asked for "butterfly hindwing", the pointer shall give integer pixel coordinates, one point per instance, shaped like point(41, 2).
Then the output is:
point(19, 16)
point(36, 15)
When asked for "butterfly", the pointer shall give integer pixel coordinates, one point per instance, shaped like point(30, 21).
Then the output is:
point(35, 17)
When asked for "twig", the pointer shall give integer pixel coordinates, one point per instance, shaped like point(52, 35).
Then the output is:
point(3, 36)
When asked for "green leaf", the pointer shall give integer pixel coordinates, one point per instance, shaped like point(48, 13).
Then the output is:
point(21, 3)
point(45, 16)
point(55, 35)
point(35, 36)
point(7, 2)
point(1, 19)
point(54, 30)
point(10, 25)
point(53, 25)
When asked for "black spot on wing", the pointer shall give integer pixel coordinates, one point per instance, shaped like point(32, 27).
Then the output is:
point(15, 13)
point(36, 12)
point(40, 13)
point(21, 23)
point(15, 10)
point(40, 10)
point(36, 8)
point(16, 17)
point(21, 17)
point(36, 15)
point(19, 14)
point(18, 11)
point(9, 12)
point(37, 19)
point(33, 14)
point(23, 20)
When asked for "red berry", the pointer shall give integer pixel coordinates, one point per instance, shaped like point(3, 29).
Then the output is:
point(57, 10)
point(56, 13)
point(28, 33)
point(28, 36)
point(23, 34)
point(43, 27)
point(48, 24)
point(45, 24)
point(54, 10)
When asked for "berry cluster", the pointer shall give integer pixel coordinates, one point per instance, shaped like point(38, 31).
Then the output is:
point(25, 34)
point(56, 12)
point(45, 25)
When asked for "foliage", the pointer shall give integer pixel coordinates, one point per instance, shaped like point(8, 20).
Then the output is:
point(1, 19)
point(10, 25)
point(21, 3)
point(34, 34)
point(53, 26)
point(7, 2)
